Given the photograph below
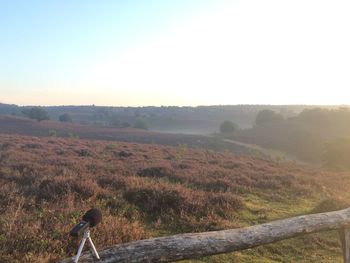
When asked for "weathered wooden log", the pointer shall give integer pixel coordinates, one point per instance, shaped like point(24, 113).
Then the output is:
point(345, 240)
point(195, 245)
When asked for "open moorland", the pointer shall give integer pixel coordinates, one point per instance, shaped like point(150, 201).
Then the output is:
point(194, 120)
point(146, 190)
point(25, 126)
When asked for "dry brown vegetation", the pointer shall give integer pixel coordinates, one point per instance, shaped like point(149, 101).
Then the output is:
point(46, 184)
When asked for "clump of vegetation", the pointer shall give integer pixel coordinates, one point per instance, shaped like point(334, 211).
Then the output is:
point(331, 204)
point(156, 172)
point(141, 124)
point(336, 155)
point(84, 152)
point(125, 124)
point(52, 133)
point(36, 113)
point(124, 154)
point(228, 127)
point(73, 135)
point(53, 189)
point(268, 116)
point(155, 201)
point(65, 118)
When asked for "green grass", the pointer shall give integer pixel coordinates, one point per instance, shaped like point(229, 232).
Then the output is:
point(319, 247)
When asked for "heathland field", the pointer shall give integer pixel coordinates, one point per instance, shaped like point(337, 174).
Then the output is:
point(147, 190)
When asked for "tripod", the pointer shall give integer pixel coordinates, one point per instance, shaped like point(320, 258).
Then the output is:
point(81, 246)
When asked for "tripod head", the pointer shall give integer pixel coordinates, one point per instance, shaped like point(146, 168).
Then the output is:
point(90, 219)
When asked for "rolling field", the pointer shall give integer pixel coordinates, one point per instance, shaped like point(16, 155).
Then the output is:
point(23, 126)
point(147, 190)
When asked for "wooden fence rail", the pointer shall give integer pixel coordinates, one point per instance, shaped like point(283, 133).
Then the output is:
point(196, 245)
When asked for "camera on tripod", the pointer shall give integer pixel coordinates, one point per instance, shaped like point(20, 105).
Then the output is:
point(90, 219)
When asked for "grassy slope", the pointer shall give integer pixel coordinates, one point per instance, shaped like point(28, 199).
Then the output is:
point(150, 190)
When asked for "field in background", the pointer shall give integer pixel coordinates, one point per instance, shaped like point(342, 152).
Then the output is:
point(24, 126)
point(170, 119)
point(147, 190)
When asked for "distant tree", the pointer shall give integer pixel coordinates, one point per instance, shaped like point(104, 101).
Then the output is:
point(336, 155)
point(126, 124)
point(115, 122)
point(65, 118)
point(137, 113)
point(52, 133)
point(141, 124)
point(36, 113)
point(228, 127)
point(268, 116)
point(325, 117)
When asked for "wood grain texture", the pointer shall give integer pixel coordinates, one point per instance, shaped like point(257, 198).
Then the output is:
point(345, 240)
point(195, 245)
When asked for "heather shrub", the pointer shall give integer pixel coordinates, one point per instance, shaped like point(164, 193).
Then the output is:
point(84, 152)
point(219, 185)
point(53, 189)
point(8, 194)
point(202, 203)
point(112, 181)
point(5, 145)
point(31, 146)
point(156, 172)
point(330, 204)
point(116, 229)
point(52, 133)
point(224, 204)
point(123, 154)
point(84, 188)
point(154, 201)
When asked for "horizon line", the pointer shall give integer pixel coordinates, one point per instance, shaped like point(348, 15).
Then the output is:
point(179, 106)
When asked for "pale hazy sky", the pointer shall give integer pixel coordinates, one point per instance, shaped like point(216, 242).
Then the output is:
point(175, 52)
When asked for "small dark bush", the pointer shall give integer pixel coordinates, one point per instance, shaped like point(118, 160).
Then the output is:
point(141, 124)
point(59, 152)
point(31, 146)
point(228, 127)
point(65, 117)
point(53, 189)
point(36, 113)
point(84, 153)
point(124, 154)
point(225, 204)
point(204, 204)
point(84, 188)
point(216, 185)
point(155, 201)
point(5, 145)
point(112, 181)
point(156, 172)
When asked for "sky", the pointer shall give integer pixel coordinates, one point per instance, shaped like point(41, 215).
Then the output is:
point(174, 52)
